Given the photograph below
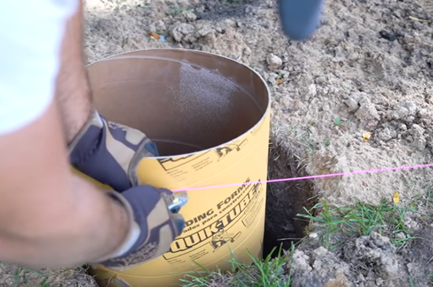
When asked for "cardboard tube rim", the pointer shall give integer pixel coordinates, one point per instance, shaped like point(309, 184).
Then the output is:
point(125, 55)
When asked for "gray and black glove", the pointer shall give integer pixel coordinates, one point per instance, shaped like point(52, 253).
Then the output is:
point(107, 152)
point(153, 227)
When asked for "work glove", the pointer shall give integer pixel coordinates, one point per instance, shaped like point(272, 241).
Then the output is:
point(152, 226)
point(300, 18)
point(107, 151)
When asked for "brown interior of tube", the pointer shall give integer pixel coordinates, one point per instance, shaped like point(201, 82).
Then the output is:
point(185, 101)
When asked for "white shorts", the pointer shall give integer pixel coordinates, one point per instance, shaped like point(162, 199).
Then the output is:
point(31, 34)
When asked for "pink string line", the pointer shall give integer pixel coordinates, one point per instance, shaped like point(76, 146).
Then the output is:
point(309, 177)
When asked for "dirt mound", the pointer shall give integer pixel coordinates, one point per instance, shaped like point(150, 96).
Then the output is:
point(365, 261)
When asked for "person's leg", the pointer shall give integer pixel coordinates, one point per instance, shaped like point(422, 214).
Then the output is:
point(72, 90)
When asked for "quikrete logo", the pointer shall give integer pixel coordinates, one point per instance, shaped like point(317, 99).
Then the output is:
point(224, 222)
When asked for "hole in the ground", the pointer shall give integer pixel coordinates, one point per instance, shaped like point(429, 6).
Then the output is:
point(285, 200)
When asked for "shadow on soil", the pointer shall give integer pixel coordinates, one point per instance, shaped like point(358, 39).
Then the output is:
point(285, 200)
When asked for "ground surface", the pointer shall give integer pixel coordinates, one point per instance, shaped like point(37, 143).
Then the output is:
point(368, 69)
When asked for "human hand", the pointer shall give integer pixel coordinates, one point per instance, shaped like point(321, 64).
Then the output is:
point(105, 151)
point(153, 226)
point(300, 18)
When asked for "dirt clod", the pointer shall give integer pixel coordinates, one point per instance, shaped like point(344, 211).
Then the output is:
point(273, 61)
point(319, 267)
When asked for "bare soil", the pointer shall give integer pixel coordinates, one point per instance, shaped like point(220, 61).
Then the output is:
point(14, 276)
point(367, 69)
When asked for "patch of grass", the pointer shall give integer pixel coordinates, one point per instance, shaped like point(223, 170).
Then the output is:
point(21, 276)
point(25, 277)
point(333, 224)
point(423, 204)
point(412, 284)
point(305, 139)
point(269, 272)
point(17, 277)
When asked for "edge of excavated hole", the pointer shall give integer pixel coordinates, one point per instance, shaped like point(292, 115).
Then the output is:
point(285, 200)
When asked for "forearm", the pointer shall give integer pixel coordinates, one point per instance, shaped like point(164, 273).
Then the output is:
point(72, 88)
point(48, 216)
point(64, 231)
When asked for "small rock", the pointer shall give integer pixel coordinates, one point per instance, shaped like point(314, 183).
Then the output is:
point(272, 81)
point(247, 51)
point(410, 223)
point(352, 104)
point(313, 235)
point(402, 127)
point(204, 31)
point(273, 61)
point(400, 235)
point(423, 113)
point(230, 23)
point(320, 80)
point(405, 109)
point(285, 73)
point(367, 111)
point(419, 141)
point(312, 91)
point(387, 134)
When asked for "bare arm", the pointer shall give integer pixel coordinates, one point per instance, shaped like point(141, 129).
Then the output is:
point(49, 217)
point(72, 88)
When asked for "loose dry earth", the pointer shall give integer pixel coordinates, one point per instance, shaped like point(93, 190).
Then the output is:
point(368, 69)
